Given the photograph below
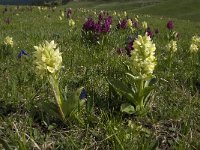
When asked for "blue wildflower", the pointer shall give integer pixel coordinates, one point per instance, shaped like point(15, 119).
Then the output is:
point(83, 94)
point(22, 52)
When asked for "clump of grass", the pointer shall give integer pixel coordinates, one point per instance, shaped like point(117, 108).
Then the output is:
point(172, 122)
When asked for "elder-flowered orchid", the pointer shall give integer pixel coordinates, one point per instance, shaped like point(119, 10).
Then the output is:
point(143, 56)
point(48, 58)
point(8, 41)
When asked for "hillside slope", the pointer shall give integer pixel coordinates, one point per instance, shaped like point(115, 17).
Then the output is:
point(183, 9)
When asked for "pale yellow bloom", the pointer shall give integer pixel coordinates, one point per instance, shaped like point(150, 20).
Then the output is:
point(114, 13)
point(125, 13)
point(193, 48)
point(144, 25)
point(44, 8)
point(172, 46)
point(196, 40)
point(143, 56)
point(136, 19)
point(129, 23)
point(47, 58)
point(8, 41)
point(195, 44)
point(62, 14)
point(71, 23)
point(60, 18)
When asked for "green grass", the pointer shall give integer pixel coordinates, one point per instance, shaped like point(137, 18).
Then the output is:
point(113, 5)
point(172, 121)
point(182, 9)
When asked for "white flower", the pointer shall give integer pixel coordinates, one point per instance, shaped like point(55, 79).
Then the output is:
point(144, 25)
point(195, 44)
point(193, 48)
point(71, 23)
point(60, 18)
point(8, 41)
point(125, 13)
point(143, 59)
point(172, 46)
point(129, 23)
point(47, 58)
point(62, 14)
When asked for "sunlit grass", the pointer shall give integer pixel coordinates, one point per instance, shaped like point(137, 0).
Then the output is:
point(171, 123)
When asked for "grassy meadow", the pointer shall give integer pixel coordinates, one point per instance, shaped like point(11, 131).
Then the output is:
point(172, 115)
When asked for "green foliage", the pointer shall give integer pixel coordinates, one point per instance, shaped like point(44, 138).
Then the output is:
point(183, 9)
point(47, 2)
point(136, 92)
point(5, 144)
point(28, 112)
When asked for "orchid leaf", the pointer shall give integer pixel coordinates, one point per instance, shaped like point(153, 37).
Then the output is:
point(72, 102)
point(127, 108)
point(147, 91)
point(122, 89)
point(51, 109)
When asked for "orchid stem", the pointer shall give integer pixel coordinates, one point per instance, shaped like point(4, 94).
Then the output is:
point(57, 94)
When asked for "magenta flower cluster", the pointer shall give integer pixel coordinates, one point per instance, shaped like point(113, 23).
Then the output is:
point(172, 35)
point(149, 32)
point(128, 46)
point(122, 24)
point(103, 24)
point(170, 25)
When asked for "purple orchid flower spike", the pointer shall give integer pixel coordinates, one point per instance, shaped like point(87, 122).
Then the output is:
point(170, 25)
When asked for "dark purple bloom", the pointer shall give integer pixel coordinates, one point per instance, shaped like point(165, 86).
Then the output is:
point(97, 27)
point(122, 24)
point(149, 32)
point(135, 24)
point(109, 20)
point(22, 52)
point(120, 51)
point(170, 25)
point(94, 29)
point(105, 28)
point(100, 17)
point(130, 38)
point(83, 94)
point(101, 26)
point(129, 45)
point(69, 13)
point(156, 31)
point(89, 25)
